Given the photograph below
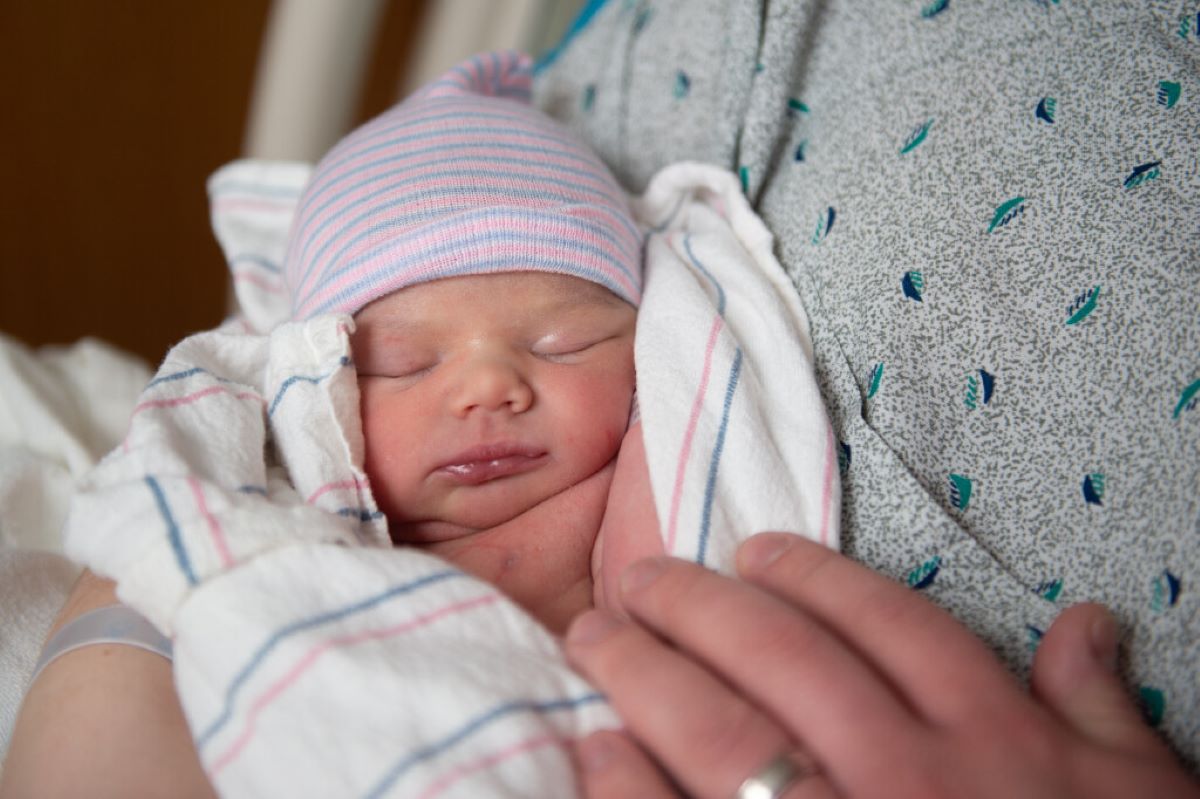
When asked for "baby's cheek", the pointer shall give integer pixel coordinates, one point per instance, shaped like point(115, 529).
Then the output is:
point(603, 407)
point(390, 448)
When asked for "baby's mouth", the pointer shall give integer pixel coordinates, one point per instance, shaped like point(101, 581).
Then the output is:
point(483, 464)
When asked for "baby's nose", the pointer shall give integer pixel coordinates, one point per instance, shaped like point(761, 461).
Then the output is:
point(492, 384)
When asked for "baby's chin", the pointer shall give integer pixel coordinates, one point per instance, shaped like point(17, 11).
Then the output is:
point(479, 517)
point(429, 533)
point(498, 506)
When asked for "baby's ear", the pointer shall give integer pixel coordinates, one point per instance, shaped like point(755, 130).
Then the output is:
point(630, 530)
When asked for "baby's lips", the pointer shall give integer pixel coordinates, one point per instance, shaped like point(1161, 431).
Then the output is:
point(484, 463)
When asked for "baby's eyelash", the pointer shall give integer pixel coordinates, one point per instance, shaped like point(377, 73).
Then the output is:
point(566, 353)
point(570, 350)
point(415, 372)
point(397, 374)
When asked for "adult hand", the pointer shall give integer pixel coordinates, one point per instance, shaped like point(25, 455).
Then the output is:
point(884, 693)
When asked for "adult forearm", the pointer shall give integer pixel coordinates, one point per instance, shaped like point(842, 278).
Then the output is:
point(102, 721)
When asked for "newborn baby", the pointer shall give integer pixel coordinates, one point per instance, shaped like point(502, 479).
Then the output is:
point(493, 270)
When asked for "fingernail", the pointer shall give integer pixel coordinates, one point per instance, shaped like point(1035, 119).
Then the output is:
point(592, 627)
point(761, 550)
point(641, 574)
point(1104, 638)
point(596, 751)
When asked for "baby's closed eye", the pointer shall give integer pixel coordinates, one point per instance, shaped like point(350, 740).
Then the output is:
point(398, 366)
point(565, 349)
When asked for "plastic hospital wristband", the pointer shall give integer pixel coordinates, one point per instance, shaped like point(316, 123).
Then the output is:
point(114, 624)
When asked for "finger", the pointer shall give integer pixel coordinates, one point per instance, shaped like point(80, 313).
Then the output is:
point(706, 737)
point(778, 657)
point(1075, 676)
point(614, 767)
point(944, 671)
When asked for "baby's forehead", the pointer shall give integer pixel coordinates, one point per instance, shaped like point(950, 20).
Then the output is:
point(516, 294)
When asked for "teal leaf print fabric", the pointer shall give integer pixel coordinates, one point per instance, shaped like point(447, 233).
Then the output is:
point(988, 210)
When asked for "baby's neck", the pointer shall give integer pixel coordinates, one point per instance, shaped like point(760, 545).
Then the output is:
point(541, 559)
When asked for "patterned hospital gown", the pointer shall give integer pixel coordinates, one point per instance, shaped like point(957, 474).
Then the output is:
point(991, 211)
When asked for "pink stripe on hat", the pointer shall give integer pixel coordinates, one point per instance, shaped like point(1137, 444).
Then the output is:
point(464, 177)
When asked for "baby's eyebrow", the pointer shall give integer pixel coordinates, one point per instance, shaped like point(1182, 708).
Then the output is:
point(394, 324)
point(585, 300)
point(385, 335)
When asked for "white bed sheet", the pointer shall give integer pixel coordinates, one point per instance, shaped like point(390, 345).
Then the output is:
point(61, 409)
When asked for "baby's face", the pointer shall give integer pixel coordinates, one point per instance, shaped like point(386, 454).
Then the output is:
point(483, 396)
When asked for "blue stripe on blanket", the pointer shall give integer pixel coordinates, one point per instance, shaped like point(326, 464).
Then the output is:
point(181, 556)
point(687, 245)
point(183, 374)
point(479, 722)
point(715, 462)
point(176, 376)
point(302, 378)
point(304, 624)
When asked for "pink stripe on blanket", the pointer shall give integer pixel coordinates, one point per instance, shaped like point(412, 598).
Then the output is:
point(827, 487)
point(177, 401)
point(690, 432)
point(351, 483)
point(190, 398)
point(293, 675)
point(214, 527)
point(454, 775)
point(273, 286)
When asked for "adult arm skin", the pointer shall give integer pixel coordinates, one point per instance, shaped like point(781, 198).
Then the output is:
point(814, 653)
point(102, 721)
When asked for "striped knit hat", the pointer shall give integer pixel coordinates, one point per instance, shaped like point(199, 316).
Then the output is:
point(463, 178)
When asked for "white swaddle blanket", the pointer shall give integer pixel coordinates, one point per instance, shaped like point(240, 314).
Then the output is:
point(314, 659)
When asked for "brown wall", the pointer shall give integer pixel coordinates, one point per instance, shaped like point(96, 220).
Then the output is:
point(114, 113)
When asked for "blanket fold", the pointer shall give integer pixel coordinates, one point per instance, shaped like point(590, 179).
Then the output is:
point(314, 659)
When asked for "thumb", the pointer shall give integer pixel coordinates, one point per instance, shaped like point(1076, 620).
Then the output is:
point(1075, 677)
